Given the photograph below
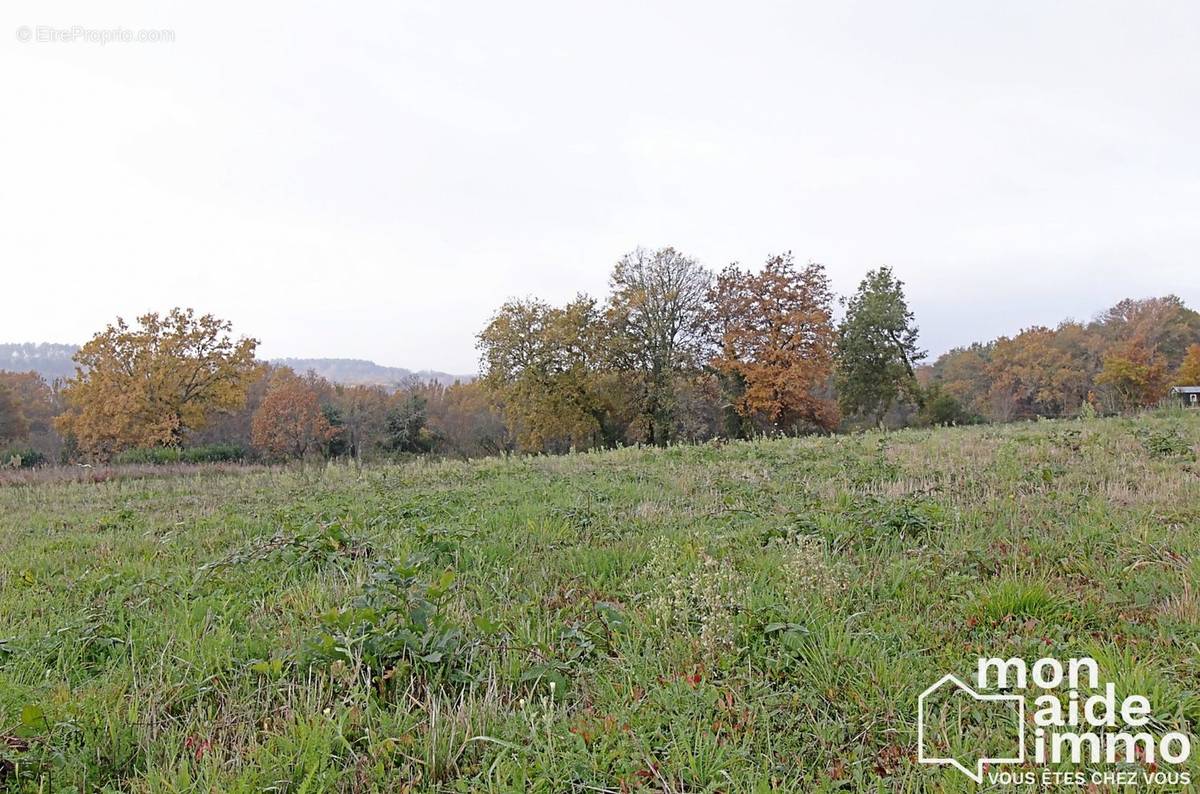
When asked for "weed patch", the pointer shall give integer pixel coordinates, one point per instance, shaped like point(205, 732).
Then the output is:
point(1166, 443)
point(746, 616)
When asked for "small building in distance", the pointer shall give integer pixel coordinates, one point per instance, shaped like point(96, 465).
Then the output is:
point(1188, 396)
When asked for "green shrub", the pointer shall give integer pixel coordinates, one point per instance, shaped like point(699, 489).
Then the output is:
point(215, 453)
point(1166, 444)
point(943, 409)
point(154, 456)
point(21, 458)
point(399, 630)
point(161, 456)
point(908, 516)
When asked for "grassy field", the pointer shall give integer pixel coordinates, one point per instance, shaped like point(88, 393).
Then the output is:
point(740, 617)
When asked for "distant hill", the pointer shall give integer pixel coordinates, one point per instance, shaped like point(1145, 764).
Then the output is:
point(353, 371)
point(49, 360)
point(53, 361)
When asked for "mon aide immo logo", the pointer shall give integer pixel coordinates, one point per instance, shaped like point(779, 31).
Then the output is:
point(1050, 715)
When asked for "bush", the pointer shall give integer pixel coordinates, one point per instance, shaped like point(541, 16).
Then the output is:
point(21, 458)
point(156, 456)
point(161, 456)
point(1166, 443)
point(215, 453)
point(400, 630)
point(943, 409)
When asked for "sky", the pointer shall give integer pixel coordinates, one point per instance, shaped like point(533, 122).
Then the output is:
point(372, 180)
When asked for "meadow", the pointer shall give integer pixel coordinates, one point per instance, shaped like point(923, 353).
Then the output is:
point(750, 616)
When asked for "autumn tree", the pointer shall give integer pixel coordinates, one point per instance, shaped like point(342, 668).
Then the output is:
point(1155, 326)
point(1136, 375)
point(1037, 373)
point(362, 413)
point(776, 342)
point(465, 420)
point(290, 423)
point(34, 397)
point(877, 348)
point(232, 427)
point(1143, 340)
point(1188, 373)
point(657, 313)
point(13, 425)
point(964, 374)
point(541, 363)
point(153, 383)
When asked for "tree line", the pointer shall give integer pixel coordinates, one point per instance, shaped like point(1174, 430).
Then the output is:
point(674, 352)
point(181, 386)
point(1127, 358)
point(678, 353)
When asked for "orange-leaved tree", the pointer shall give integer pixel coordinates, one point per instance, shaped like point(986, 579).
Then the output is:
point(1136, 375)
point(35, 399)
point(13, 425)
point(776, 341)
point(1037, 373)
point(153, 383)
point(1188, 373)
point(289, 422)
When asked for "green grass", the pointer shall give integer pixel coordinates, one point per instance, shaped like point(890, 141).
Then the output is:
point(741, 617)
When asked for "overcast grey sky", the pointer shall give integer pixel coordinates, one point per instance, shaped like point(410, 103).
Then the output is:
point(371, 180)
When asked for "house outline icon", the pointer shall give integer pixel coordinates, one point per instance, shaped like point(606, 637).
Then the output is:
point(975, 774)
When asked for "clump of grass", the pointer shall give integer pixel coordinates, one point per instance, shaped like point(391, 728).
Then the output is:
point(1021, 599)
point(1183, 607)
